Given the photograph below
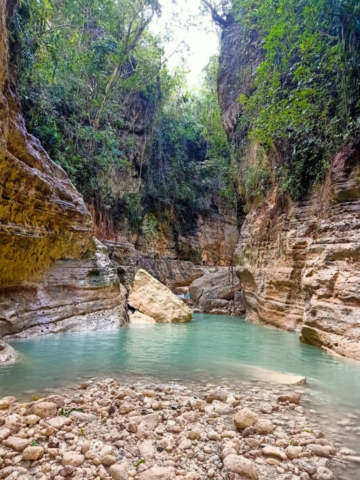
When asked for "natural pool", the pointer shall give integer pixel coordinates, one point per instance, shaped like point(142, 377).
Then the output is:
point(211, 349)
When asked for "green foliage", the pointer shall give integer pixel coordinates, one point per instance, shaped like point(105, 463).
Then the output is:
point(65, 412)
point(306, 97)
point(79, 64)
point(95, 90)
point(190, 159)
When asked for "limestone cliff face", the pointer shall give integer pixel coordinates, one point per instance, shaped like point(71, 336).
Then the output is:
point(298, 262)
point(48, 258)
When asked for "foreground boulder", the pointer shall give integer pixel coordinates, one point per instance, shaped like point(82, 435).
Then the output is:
point(152, 298)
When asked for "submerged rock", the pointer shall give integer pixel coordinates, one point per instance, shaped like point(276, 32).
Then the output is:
point(152, 298)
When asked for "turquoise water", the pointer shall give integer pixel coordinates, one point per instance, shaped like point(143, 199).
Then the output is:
point(210, 349)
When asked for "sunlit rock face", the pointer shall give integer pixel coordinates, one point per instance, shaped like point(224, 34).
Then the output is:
point(47, 252)
point(152, 298)
point(298, 262)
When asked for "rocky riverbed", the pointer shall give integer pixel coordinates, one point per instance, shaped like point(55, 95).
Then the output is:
point(104, 430)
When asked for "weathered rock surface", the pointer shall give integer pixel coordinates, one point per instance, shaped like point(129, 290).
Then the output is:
point(298, 262)
point(74, 295)
point(217, 292)
point(53, 276)
point(152, 298)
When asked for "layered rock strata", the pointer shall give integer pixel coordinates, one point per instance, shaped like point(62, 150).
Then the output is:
point(297, 262)
point(218, 292)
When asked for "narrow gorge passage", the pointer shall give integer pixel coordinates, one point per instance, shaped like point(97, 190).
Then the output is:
point(179, 239)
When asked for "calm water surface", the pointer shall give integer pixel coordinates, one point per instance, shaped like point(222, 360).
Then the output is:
point(212, 349)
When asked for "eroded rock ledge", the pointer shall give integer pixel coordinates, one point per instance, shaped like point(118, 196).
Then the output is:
point(158, 432)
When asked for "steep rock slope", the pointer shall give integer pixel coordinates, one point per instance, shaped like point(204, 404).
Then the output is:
point(47, 254)
point(298, 262)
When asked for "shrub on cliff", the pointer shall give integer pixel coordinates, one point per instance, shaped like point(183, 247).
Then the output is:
point(306, 96)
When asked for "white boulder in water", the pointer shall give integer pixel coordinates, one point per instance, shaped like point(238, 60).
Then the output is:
point(152, 298)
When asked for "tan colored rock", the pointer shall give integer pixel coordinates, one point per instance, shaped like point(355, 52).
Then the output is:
point(272, 451)
point(138, 318)
point(108, 460)
point(293, 452)
point(147, 450)
point(59, 422)
point(150, 297)
point(73, 459)
point(119, 472)
point(33, 453)
point(264, 426)
point(245, 418)
point(290, 397)
point(16, 443)
point(321, 450)
point(44, 409)
point(4, 433)
point(4, 404)
point(158, 473)
point(219, 395)
point(83, 417)
point(241, 466)
point(32, 419)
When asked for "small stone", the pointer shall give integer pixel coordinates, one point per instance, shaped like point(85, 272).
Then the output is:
point(118, 472)
point(266, 408)
point(272, 451)
point(214, 436)
point(16, 443)
point(4, 404)
point(32, 419)
point(289, 397)
point(156, 406)
point(219, 395)
point(320, 450)
point(324, 474)
point(4, 433)
point(83, 417)
point(108, 460)
point(293, 452)
point(264, 426)
point(194, 434)
point(241, 466)
point(33, 453)
point(44, 409)
point(245, 418)
point(73, 459)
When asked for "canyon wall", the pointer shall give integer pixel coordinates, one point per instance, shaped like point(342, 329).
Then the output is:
point(298, 262)
point(53, 275)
